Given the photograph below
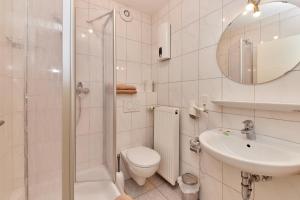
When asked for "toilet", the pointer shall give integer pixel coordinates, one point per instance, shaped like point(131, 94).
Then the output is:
point(141, 162)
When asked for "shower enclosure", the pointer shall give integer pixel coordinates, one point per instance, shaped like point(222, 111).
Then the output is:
point(95, 103)
point(44, 54)
point(31, 99)
point(95, 96)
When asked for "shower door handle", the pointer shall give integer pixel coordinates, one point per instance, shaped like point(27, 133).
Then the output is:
point(2, 122)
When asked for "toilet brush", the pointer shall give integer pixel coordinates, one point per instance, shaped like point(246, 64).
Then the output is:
point(120, 176)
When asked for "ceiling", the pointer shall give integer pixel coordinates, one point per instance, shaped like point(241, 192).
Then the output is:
point(147, 6)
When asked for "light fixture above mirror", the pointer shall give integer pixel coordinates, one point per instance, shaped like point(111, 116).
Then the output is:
point(253, 6)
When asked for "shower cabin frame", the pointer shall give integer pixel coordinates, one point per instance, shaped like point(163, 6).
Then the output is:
point(69, 99)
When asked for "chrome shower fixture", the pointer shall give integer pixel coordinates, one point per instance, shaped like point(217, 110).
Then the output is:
point(80, 90)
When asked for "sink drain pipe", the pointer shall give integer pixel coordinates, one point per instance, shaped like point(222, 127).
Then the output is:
point(248, 180)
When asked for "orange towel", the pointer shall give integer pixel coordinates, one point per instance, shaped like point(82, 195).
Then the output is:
point(126, 91)
point(124, 197)
point(125, 87)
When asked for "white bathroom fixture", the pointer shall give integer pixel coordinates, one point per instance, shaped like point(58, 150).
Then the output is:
point(166, 141)
point(264, 156)
point(164, 42)
point(272, 106)
point(141, 163)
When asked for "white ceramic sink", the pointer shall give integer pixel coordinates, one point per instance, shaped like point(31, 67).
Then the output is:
point(263, 156)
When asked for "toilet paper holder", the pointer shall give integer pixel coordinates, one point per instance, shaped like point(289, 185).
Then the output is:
point(195, 145)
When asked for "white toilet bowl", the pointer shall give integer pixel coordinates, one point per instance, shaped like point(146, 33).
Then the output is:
point(141, 163)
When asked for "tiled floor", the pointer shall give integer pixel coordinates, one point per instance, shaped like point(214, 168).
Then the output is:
point(155, 189)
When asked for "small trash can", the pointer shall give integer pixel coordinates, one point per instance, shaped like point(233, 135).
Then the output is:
point(189, 186)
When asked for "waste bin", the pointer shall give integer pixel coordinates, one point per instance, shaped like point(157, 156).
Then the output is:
point(189, 186)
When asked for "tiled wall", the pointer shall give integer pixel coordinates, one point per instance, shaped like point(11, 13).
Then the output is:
point(133, 67)
point(193, 72)
point(12, 64)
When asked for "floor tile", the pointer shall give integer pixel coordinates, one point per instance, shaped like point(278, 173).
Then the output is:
point(134, 190)
point(170, 192)
point(156, 180)
point(152, 195)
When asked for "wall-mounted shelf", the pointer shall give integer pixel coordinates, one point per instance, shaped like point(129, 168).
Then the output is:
point(259, 105)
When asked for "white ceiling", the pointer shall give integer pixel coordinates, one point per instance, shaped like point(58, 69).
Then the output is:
point(147, 6)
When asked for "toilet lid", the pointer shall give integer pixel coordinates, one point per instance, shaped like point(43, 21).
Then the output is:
point(143, 157)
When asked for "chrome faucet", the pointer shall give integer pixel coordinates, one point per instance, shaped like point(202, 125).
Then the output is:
point(249, 130)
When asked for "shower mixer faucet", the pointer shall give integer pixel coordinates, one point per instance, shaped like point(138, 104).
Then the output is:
point(80, 90)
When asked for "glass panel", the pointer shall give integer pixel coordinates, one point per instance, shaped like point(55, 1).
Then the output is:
point(13, 22)
point(109, 97)
point(44, 91)
point(94, 94)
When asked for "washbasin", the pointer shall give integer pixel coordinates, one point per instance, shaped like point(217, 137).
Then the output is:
point(264, 156)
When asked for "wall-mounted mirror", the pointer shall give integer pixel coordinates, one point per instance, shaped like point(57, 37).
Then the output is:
point(258, 49)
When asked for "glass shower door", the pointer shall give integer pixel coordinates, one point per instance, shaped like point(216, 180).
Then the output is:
point(13, 40)
point(109, 114)
point(95, 97)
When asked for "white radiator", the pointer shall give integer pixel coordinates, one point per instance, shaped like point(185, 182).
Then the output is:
point(166, 141)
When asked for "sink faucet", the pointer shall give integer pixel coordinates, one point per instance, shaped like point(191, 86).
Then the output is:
point(249, 130)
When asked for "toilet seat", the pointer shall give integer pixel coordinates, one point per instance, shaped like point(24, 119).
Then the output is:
point(143, 157)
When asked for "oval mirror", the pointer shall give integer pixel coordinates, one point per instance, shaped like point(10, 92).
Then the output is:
point(257, 49)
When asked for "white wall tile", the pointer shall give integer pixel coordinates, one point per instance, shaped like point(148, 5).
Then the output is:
point(211, 189)
point(212, 88)
point(134, 72)
point(134, 30)
point(121, 50)
point(283, 90)
point(208, 66)
point(232, 177)
point(175, 18)
point(175, 94)
point(286, 130)
point(146, 33)
point(123, 120)
point(207, 7)
point(190, 11)
point(146, 54)
point(163, 72)
point(211, 166)
point(162, 94)
point(278, 188)
point(189, 93)
point(133, 51)
point(176, 44)
point(190, 66)
point(210, 29)
point(236, 91)
point(230, 194)
point(190, 37)
point(175, 69)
